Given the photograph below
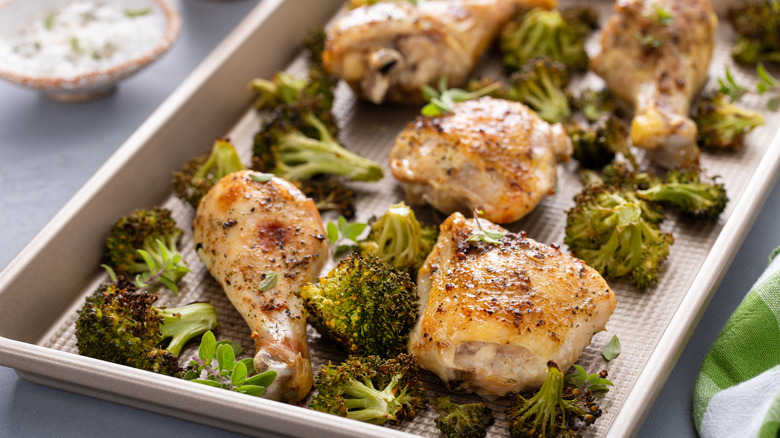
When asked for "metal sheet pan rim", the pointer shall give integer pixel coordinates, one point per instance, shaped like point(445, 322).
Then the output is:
point(33, 361)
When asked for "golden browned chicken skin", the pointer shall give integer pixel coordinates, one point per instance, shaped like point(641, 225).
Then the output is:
point(388, 50)
point(492, 316)
point(491, 154)
point(243, 230)
point(655, 55)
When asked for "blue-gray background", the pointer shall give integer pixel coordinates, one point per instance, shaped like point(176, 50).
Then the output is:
point(49, 149)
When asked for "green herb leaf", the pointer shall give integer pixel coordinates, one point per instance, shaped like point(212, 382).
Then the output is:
point(256, 391)
point(190, 375)
point(662, 16)
point(208, 345)
point(612, 349)
point(333, 233)
point(261, 177)
point(239, 374)
point(269, 281)
point(482, 235)
point(443, 101)
point(774, 103)
point(208, 382)
point(238, 349)
point(581, 379)
point(134, 13)
point(352, 230)
point(263, 379)
point(730, 87)
point(48, 22)
point(226, 358)
point(110, 271)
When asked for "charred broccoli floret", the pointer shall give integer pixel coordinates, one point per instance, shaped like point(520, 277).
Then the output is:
point(364, 305)
point(198, 176)
point(595, 146)
point(757, 27)
point(722, 124)
point(553, 410)
point(595, 104)
point(617, 233)
point(371, 389)
point(120, 323)
point(299, 142)
point(540, 85)
point(284, 88)
point(398, 239)
point(540, 32)
point(145, 243)
point(330, 194)
point(582, 19)
point(467, 420)
point(684, 189)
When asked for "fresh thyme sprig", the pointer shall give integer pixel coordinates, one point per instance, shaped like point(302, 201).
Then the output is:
point(581, 379)
point(730, 87)
point(443, 100)
point(766, 82)
point(482, 235)
point(341, 231)
point(164, 269)
point(229, 374)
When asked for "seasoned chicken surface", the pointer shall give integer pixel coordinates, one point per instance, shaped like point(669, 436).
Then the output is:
point(493, 315)
point(655, 55)
point(387, 51)
point(244, 230)
point(491, 154)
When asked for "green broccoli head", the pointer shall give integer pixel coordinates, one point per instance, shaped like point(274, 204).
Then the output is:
point(758, 39)
point(468, 420)
point(371, 389)
point(554, 410)
point(595, 104)
point(582, 19)
point(617, 233)
point(145, 243)
point(299, 142)
point(198, 176)
point(119, 323)
point(684, 189)
point(540, 32)
point(540, 85)
point(722, 124)
point(398, 239)
point(282, 88)
point(364, 305)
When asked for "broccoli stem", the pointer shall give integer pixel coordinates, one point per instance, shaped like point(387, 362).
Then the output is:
point(184, 323)
point(309, 157)
point(223, 158)
point(368, 403)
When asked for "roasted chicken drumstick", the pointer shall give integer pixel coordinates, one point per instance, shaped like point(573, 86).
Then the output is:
point(655, 55)
point(388, 50)
point(245, 231)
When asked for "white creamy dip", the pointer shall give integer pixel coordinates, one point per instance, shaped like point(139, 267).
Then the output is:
point(81, 37)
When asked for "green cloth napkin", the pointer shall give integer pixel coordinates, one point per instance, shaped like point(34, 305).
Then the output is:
point(737, 393)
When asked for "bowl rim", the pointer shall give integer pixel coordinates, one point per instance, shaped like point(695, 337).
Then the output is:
point(112, 73)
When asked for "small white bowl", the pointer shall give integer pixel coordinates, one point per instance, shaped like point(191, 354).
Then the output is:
point(67, 82)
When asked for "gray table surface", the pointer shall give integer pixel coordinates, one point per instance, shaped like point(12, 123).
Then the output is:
point(49, 149)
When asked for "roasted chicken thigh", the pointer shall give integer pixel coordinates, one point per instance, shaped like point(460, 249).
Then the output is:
point(245, 231)
point(491, 154)
point(492, 316)
point(655, 55)
point(387, 51)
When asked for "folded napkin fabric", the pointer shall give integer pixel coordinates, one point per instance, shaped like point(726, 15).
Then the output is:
point(737, 393)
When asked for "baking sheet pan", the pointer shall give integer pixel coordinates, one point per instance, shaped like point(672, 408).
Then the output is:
point(46, 283)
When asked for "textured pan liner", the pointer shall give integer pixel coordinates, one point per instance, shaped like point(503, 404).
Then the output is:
point(46, 283)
